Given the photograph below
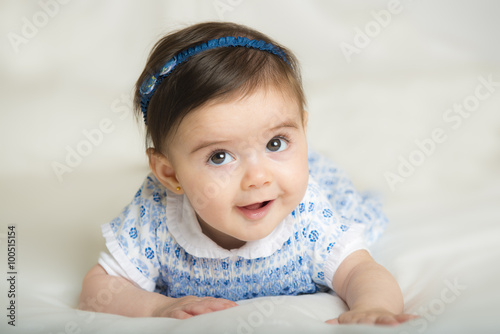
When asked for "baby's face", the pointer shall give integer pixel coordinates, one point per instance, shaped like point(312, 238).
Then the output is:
point(243, 164)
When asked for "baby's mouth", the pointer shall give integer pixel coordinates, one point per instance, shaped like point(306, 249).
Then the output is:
point(255, 206)
point(256, 211)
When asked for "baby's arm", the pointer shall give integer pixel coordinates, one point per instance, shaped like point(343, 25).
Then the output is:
point(370, 291)
point(111, 294)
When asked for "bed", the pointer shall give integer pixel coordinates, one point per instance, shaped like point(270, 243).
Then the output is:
point(404, 96)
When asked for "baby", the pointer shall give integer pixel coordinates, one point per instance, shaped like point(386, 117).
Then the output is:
point(236, 207)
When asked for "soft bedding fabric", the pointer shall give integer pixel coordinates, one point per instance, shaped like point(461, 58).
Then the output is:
point(404, 96)
point(450, 280)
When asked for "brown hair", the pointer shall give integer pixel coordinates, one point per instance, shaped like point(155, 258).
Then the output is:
point(212, 74)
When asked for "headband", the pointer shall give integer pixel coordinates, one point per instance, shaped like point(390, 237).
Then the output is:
point(151, 84)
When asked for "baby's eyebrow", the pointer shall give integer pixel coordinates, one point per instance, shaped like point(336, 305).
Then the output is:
point(285, 124)
point(207, 144)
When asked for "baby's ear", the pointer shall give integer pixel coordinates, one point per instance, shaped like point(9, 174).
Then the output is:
point(305, 119)
point(163, 170)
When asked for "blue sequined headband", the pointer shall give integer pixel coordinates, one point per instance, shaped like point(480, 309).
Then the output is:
point(150, 85)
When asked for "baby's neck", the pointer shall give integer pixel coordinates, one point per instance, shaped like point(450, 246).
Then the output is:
point(223, 240)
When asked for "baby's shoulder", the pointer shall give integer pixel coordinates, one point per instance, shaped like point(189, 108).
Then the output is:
point(150, 192)
point(316, 223)
point(152, 196)
point(147, 207)
point(326, 172)
point(314, 205)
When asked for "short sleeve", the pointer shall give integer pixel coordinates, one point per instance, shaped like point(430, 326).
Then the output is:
point(131, 237)
point(329, 236)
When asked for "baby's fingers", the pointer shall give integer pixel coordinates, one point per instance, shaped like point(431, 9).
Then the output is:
point(374, 318)
point(387, 320)
point(392, 320)
point(179, 314)
point(405, 317)
point(208, 305)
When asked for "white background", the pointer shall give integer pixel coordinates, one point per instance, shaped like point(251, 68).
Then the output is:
point(77, 64)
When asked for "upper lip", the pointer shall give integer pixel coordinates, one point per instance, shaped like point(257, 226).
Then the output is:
point(253, 203)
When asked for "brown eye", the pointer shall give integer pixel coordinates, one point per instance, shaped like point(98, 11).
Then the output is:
point(220, 158)
point(276, 145)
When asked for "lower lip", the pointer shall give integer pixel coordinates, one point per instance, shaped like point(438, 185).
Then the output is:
point(258, 213)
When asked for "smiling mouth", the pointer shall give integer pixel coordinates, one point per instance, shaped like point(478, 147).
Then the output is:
point(256, 206)
point(257, 210)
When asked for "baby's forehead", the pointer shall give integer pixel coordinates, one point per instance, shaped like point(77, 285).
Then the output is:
point(259, 109)
point(208, 115)
point(243, 94)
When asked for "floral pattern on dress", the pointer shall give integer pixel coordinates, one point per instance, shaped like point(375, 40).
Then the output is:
point(329, 209)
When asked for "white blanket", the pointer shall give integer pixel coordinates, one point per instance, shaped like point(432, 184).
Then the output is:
point(405, 96)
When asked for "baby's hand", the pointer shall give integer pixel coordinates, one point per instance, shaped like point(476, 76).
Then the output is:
point(187, 307)
point(372, 316)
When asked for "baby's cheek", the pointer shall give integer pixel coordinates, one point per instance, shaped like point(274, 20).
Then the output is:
point(211, 203)
point(300, 185)
point(199, 196)
point(299, 177)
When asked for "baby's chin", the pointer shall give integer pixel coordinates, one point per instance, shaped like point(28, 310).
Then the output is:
point(256, 236)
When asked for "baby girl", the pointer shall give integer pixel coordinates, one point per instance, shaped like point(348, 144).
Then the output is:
point(236, 206)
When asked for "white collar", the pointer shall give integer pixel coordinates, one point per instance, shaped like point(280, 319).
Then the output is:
point(184, 227)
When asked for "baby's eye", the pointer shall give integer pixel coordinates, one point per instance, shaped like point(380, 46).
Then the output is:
point(276, 144)
point(220, 158)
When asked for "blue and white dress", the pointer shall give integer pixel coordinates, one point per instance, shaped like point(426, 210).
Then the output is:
point(158, 244)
